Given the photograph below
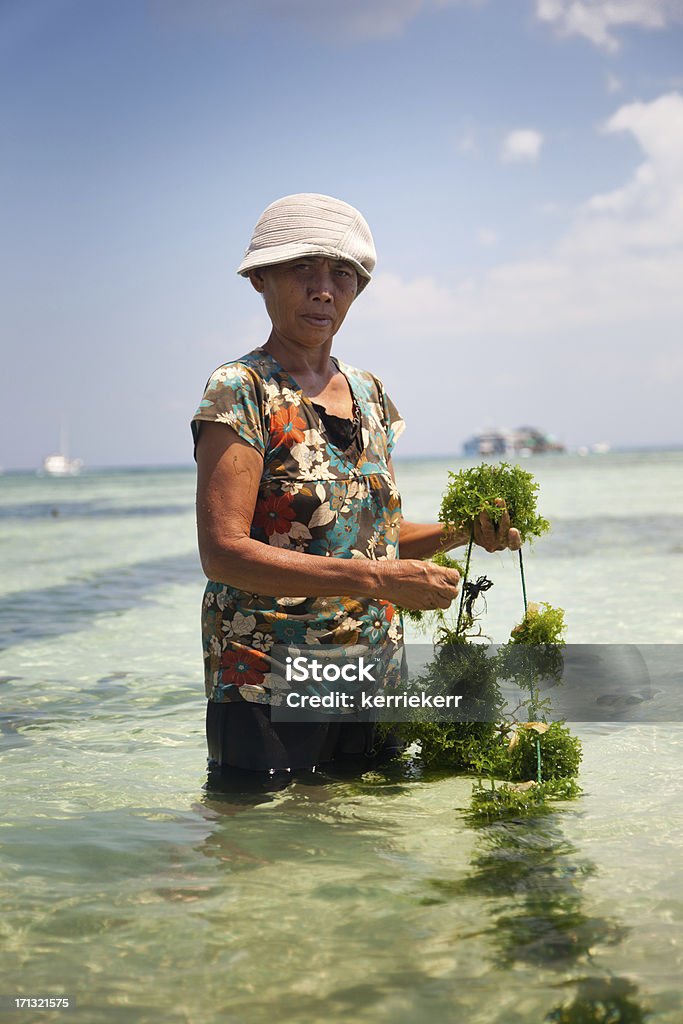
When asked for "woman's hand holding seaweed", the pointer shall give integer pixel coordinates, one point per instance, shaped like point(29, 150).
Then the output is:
point(496, 536)
point(414, 584)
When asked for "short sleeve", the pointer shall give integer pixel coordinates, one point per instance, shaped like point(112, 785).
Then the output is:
point(394, 423)
point(234, 395)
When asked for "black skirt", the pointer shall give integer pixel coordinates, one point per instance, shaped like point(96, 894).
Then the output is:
point(240, 734)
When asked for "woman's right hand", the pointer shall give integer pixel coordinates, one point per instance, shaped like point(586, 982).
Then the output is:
point(423, 586)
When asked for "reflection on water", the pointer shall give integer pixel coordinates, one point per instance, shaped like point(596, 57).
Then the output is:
point(601, 1001)
point(531, 863)
point(531, 874)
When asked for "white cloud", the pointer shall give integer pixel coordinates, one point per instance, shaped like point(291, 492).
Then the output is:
point(647, 211)
point(521, 146)
point(596, 19)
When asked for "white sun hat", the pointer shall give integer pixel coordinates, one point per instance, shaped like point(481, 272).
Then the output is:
point(308, 224)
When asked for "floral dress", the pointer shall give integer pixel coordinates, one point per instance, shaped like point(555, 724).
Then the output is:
point(312, 498)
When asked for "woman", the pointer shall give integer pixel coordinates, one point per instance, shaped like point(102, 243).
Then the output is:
point(297, 502)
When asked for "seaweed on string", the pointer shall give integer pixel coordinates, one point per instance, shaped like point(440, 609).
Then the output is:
point(525, 764)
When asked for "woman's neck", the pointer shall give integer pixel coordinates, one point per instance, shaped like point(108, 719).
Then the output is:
point(315, 373)
point(302, 360)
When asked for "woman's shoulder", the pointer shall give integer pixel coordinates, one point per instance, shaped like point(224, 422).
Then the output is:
point(240, 394)
point(254, 368)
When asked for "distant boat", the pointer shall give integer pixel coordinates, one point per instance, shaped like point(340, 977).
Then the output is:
point(520, 443)
point(61, 464)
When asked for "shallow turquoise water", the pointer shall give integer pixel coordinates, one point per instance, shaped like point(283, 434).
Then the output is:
point(146, 897)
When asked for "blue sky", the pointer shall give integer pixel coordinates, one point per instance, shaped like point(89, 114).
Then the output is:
point(520, 163)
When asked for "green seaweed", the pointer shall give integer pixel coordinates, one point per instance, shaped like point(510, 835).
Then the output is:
point(542, 624)
point(446, 562)
point(508, 801)
point(463, 669)
point(534, 650)
point(560, 752)
point(475, 490)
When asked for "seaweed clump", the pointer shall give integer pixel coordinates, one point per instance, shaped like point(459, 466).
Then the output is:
point(560, 752)
point(534, 650)
point(454, 745)
point(476, 490)
point(542, 624)
point(512, 801)
point(487, 743)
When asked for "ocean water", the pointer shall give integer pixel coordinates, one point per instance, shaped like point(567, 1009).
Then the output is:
point(135, 890)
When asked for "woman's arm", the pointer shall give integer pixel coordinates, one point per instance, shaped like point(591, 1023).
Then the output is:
point(422, 540)
point(228, 477)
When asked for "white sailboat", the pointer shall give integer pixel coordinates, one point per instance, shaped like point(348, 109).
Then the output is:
point(60, 464)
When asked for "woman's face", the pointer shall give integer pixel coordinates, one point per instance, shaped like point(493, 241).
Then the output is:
point(308, 298)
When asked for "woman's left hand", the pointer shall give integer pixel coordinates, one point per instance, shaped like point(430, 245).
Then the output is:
point(496, 536)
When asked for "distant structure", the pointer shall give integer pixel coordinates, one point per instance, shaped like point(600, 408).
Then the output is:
point(599, 448)
point(519, 443)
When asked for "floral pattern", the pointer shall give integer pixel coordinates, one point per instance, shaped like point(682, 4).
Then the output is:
point(311, 499)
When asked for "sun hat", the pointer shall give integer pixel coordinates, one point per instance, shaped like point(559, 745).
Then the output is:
point(309, 224)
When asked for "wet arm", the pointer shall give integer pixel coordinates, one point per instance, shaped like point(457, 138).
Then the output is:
point(422, 540)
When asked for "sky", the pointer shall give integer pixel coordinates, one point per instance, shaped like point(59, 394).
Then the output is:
point(520, 163)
